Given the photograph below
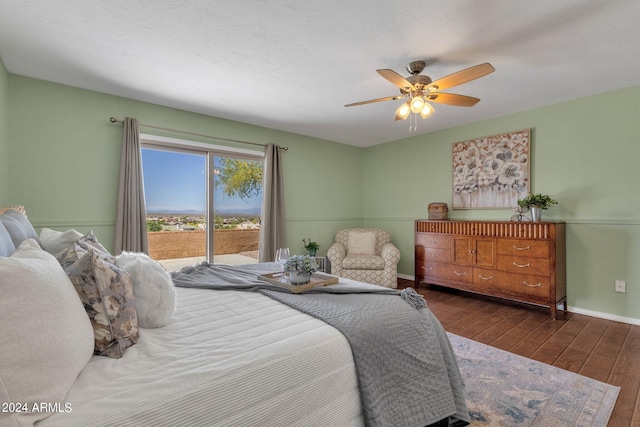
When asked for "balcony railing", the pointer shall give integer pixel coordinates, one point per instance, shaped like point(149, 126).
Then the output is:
point(177, 249)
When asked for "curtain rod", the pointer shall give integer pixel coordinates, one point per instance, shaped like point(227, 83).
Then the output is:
point(114, 120)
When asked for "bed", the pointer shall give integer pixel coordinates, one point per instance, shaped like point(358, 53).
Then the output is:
point(226, 358)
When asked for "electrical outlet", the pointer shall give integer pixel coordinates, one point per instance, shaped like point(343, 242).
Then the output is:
point(621, 286)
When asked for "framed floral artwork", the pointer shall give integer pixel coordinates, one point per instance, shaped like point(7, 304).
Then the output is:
point(491, 172)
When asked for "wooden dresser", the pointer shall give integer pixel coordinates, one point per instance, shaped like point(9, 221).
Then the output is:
point(520, 261)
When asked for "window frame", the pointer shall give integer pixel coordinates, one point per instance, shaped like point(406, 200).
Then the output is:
point(210, 151)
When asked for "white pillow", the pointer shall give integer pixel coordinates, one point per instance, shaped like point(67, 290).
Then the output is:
point(361, 243)
point(46, 338)
point(54, 241)
point(153, 289)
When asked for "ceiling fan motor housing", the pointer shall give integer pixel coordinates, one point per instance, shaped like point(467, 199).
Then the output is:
point(416, 67)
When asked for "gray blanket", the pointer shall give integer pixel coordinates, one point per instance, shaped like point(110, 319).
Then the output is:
point(407, 372)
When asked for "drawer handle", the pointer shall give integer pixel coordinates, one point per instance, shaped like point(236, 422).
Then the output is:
point(521, 249)
point(527, 265)
point(459, 274)
point(485, 278)
point(427, 269)
point(472, 252)
point(433, 241)
point(435, 255)
point(539, 285)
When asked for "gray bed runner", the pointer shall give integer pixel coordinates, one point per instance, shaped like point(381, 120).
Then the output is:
point(407, 372)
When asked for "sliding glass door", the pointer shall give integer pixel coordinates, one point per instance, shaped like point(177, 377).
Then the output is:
point(237, 203)
point(202, 205)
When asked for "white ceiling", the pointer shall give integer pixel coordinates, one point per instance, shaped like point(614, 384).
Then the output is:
point(293, 64)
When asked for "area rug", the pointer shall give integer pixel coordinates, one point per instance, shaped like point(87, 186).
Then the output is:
point(505, 389)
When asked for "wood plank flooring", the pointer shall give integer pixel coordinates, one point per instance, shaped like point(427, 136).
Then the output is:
point(605, 350)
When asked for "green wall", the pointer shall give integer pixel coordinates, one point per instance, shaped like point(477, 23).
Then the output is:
point(4, 132)
point(65, 158)
point(584, 153)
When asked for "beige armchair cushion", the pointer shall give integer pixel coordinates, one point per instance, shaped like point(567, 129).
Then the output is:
point(363, 262)
point(361, 243)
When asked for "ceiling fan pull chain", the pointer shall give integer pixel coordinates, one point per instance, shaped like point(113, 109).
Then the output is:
point(413, 127)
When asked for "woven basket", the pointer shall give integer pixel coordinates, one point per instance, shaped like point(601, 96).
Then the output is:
point(438, 210)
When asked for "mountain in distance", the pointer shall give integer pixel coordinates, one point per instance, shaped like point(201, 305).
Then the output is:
point(249, 212)
point(190, 212)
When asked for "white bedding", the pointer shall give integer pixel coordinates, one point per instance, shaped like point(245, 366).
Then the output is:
point(228, 358)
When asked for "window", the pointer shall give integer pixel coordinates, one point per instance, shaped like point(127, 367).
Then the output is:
point(203, 202)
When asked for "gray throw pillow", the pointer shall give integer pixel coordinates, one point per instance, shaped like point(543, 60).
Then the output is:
point(18, 226)
point(6, 244)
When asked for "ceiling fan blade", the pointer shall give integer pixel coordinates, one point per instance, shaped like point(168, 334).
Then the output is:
point(453, 99)
point(463, 76)
point(396, 79)
point(371, 101)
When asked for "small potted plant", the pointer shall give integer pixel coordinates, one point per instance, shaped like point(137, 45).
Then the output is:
point(536, 203)
point(311, 246)
point(300, 268)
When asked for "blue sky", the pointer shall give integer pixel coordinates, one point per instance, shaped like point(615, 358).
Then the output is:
point(177, 181)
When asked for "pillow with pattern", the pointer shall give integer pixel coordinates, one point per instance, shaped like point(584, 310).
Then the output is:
point(73, 252)
point(107, 294)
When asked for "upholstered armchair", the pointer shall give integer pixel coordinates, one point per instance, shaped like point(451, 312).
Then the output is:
point(366, 255)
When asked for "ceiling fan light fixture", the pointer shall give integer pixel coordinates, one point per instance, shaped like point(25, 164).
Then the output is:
point(427, 110)
point(421, 90)
point(403, 111)
point(417, 104)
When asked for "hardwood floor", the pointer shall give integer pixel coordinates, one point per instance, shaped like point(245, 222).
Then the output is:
point(605, 350)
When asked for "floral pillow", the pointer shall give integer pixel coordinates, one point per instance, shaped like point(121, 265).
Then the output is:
point(107, 295)
point(73, 252)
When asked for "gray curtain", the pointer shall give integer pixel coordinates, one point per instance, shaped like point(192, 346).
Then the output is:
point(131, 221)
point(273, 231)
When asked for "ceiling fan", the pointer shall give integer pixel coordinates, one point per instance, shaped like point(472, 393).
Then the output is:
point(421, 90)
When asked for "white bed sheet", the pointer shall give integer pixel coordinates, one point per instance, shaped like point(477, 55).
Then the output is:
point(228, 358)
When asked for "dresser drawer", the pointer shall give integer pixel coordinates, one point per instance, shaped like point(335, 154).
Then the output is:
point(429, 240)
point(430, 269)
point(519, 286)
point(457, 273)
point(487, 280)
point(524, 247)
point(437, 255)
point(523, 265)
point(527, 286)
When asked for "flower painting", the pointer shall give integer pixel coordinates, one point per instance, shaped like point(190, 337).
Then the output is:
point(491, 172)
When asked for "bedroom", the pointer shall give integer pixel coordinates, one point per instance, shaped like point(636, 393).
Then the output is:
point(59, 157)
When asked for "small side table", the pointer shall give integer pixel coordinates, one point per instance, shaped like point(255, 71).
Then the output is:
point(323, 264)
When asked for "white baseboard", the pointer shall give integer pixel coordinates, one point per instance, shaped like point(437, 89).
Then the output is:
point(571, 309)
point(602, 315)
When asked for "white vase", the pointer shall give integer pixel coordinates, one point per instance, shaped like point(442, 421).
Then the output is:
point(536, 214)
point(297, 278)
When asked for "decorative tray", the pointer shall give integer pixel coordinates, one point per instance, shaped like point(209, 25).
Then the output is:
point(317, 279)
